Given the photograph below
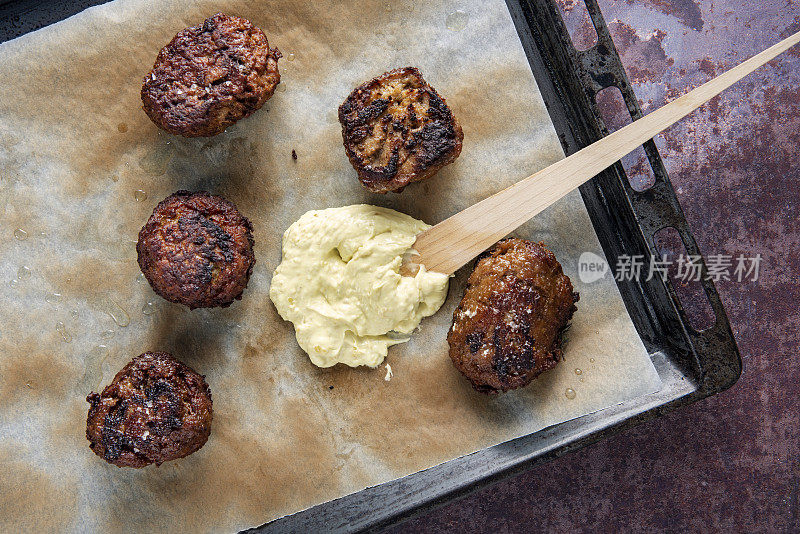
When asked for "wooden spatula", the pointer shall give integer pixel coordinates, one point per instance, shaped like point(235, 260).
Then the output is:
point(455, 241)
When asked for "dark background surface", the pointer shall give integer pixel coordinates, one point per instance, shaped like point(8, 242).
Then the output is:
point(730, 462)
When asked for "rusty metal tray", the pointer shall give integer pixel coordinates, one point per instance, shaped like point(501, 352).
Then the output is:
point(692, 363)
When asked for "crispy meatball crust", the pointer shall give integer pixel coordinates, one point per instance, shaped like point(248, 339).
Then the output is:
point(210, 76)
point(156, 409)
point(398, 130)
point(197, 250)
point(507, 329)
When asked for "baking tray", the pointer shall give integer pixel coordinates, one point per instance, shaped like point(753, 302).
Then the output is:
point(692, 364)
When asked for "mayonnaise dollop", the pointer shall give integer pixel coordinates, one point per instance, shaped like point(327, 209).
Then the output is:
point(339, 282)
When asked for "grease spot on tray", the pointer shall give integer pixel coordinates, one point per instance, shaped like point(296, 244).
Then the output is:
point(28, 366)
point(26, 488)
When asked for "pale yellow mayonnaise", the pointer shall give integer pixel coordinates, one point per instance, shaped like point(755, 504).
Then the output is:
point(339, 282)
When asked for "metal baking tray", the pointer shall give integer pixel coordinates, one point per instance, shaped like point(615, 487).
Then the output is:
point(692, 364)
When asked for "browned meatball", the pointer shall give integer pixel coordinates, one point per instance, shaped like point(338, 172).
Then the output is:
point(398, 130)
point(197, 250)
point(210, 76)
point(507, 329)
point(156, 409)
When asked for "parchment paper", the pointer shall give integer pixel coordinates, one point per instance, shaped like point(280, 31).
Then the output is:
point(74, 149)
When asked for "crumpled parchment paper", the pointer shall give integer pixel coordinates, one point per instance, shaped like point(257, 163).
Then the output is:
point(81, 168)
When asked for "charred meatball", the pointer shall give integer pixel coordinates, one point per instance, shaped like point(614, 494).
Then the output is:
point(507, 329)
point(210, 76)
point(156, 409)
point(197, 250)
point(398, 130)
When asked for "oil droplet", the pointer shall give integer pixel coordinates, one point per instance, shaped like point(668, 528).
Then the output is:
point(28, 385)
point(582, 380)
point(140, 278)
point(116, 312)
point(104, 367)
point(591, 360)
point(107, 334)
point(93, 373)
point(457, 21)
point(13, 283)
point(139, 195)
point(20, 234)
point(281, 88)
point(149, 308)
point(23, 273)
point(42, 234)
point(570, 393)
point(578, 372)
point(62, 329)
point(290, 57)
point(54, 298)
point(122, 127)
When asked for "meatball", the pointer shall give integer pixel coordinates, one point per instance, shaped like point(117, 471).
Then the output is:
point(507, 329)
point(197, 250)
point(210, 76)
point(398, 130)
point(156, 409)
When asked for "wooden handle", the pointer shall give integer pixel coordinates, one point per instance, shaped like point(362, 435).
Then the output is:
point(455, 241)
